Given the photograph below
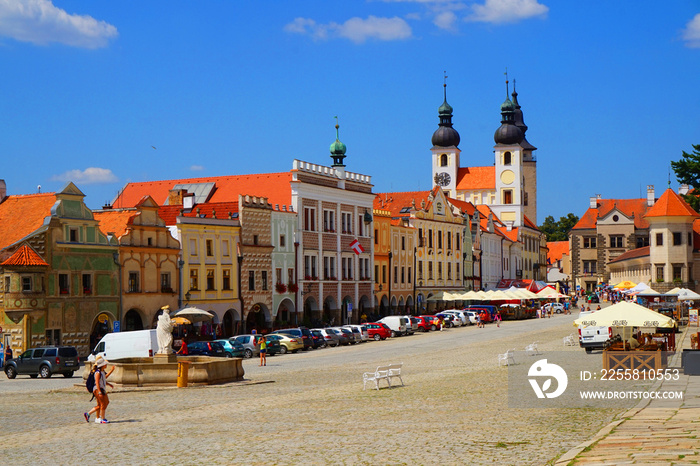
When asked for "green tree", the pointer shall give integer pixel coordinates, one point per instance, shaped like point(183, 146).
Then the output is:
point(558, 231)
point(688, 172)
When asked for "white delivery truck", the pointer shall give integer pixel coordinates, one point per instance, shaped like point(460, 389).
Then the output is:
point(120, 345)
point(397, 324)
point(593, 337)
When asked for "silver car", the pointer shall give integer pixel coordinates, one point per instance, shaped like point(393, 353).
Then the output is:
point(332, 338)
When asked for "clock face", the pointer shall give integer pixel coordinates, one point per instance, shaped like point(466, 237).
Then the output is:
point(442, 179)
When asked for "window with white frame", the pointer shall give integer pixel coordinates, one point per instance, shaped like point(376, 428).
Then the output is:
point(329, 268)
point(346, 222)
point(329, 221)
point(310, 267)
point(309, 219)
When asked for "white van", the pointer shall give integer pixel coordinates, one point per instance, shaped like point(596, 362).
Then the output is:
point(120, 345)
point(397, 324)
point(593, 337)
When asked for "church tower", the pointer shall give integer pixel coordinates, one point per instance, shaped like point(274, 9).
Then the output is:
point(509, 163)
point(529, 164)
point(445, 153)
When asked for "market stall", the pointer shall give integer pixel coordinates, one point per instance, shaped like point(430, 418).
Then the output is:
point(643, 349)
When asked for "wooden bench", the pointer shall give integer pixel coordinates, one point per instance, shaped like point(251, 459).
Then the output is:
point(507, 358)
point(382, 373)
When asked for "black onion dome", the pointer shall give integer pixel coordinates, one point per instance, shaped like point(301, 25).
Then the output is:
point(508, 133)
point(445, 135)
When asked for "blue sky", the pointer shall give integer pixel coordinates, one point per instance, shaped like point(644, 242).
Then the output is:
point(102, 93)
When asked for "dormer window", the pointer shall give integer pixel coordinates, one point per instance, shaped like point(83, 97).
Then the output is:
point(74, 236)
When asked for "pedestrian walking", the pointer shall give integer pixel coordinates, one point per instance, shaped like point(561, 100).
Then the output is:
point(8, 353)
point(100, 391)
point(498, 319)
point(263, 351)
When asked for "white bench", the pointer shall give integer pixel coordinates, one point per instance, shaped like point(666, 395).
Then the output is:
point(382, 373)
point(532, 350)
point(507, 358)
point(570, 340)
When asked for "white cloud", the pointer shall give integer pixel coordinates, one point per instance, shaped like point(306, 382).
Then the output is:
point(92, 175)
point(691, 33)
point(507, 11)
point(445, 20)
point(196, 168)
point(356, 29)
point(41, 23)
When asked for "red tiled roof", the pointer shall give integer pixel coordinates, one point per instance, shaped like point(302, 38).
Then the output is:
point(394, 202)
point(530, 223)
point(25, 256)
point(557, 249)
point(469, 178)
point(169, 213)
point(115, 221)
point(274, 186)
point(671, 204)
point(629, 207)
point(634, 253)
point(511, 235)
point(21, 215)
point(463, 206)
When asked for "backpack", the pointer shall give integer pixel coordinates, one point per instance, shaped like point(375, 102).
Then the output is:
point(90, 382)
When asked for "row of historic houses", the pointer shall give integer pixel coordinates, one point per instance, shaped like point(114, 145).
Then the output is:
point(310, 246)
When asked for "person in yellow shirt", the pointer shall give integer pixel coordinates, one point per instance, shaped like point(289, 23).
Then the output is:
point(263, 351)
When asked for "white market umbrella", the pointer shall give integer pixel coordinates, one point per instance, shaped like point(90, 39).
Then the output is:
point(687, 295)
point(194, 314)
point(550, 293)
point(625, 314)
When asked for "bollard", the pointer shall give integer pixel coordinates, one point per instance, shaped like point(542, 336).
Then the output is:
point(182, 373)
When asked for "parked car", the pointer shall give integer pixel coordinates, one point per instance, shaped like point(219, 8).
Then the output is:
point(411, 327)
point(318, 339)
point(343, 338)
point(378, 331)
point(434, 321)
point(424, 323)
point(484, 311)
point(397, 324)
point(206, 348)
point(448, 320)
point(331, 338)
point(249, 342)
point(555, 307)
point(288, 344)
point(44, 361)
point(299, 332)
point(463, 319)
point(473, 316)
point(233, 347)
point(353, 337)
point(359, 330)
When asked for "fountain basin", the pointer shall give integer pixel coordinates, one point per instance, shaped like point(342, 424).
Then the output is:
point(163, 370)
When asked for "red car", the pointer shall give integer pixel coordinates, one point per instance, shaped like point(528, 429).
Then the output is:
point(378, 331)
point(425, 323)
point(434, 321)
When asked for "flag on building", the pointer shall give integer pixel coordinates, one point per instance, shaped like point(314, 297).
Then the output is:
point(357, 247)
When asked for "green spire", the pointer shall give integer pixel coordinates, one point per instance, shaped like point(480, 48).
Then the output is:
point(337, 148)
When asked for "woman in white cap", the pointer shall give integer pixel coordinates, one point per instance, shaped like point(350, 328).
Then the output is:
point(100, 390)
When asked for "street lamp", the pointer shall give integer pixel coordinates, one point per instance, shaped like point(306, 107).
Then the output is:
point(187, 297)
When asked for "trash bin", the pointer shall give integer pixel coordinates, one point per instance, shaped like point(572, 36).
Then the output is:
point(690, 362)
point(183, 368)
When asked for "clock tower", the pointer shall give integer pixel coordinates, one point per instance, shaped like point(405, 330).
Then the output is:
point(445, 153)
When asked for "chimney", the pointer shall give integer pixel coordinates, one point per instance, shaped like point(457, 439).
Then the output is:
point(3, 190)
point(175, 196)
point(593, 203)
point(509, 225)
point(650, 195)
point(683, 190)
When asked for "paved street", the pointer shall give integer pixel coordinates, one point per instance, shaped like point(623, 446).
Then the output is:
point(452, 410)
